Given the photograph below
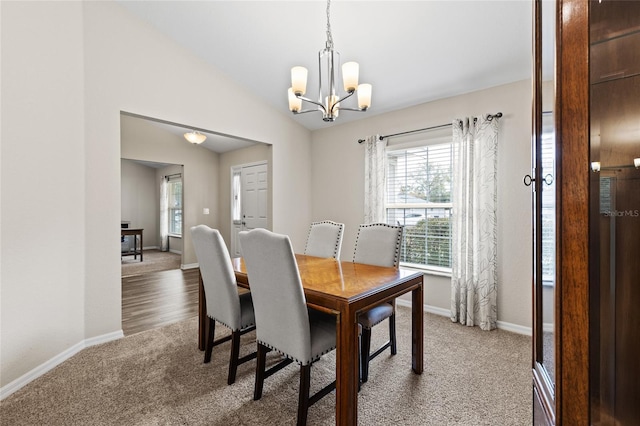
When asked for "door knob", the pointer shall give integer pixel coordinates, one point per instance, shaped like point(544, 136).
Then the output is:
point(528, 180)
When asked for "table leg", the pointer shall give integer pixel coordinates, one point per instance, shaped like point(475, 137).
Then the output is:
point(141, 246)
point(417, 329)
point(347, 369)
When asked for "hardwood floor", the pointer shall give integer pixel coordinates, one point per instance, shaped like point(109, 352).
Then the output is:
point(158, 298)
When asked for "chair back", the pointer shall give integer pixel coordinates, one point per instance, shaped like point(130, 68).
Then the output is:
point(324, 239)
point(218, 278)
point(378, 244)
point(282, 319)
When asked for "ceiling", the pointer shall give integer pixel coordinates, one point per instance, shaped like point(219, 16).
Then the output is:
point(410, 51)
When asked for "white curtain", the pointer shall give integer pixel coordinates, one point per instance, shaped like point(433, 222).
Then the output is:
point(474, 222)
point(164, 215)
point(374, 179)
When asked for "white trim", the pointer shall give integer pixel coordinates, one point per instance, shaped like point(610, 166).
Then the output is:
point(174, 251)
point(514, 328)
point(507, 326)
point(189, 266)
point(427, 270)
point(47, 366)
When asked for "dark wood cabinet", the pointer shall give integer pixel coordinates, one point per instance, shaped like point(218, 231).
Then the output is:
point(595, 376)
point(615, 212)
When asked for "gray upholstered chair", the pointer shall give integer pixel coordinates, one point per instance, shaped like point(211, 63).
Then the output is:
point(224, 303)
point(377, 244)
point(284, 323)
point(324, 239)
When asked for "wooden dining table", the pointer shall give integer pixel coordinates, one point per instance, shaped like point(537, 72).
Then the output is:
point(345, 289)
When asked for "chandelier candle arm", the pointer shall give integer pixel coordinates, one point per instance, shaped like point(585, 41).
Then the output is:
point(294, 108)
point(329, 102)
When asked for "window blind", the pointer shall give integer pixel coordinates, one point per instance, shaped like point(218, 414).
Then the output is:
point(419, 198)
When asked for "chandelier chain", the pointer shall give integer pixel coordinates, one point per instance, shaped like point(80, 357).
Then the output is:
point(329, 36)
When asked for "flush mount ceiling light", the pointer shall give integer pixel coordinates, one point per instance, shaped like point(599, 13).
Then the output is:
point(328, 101)
point(195, 137)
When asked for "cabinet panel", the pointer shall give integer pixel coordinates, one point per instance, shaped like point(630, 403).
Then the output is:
point(613, 19)
point(615, 58)
point(615, 213)
point(544, 203)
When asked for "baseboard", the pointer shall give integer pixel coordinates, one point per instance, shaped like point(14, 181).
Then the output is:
point(189, 266)
point(47, 366)
point(175, 251)
point(507, 326)
point(515, 328)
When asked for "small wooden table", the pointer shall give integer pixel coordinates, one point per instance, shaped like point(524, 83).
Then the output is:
point(347, 288)
point(135, 232)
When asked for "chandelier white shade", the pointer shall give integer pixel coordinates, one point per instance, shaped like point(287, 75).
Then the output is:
point(195, 137)
point(329, 101)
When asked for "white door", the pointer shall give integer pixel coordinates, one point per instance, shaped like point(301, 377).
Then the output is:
point(253, 201)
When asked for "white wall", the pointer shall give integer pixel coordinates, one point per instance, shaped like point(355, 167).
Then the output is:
point(68, 70)
point(338, 184)
point(43, 184)
point(139, 196)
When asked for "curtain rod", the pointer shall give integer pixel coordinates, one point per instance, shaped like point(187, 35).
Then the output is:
point(173, 175)
point(489, 116)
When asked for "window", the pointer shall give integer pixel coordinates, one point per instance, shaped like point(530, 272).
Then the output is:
point(419, 197)
point(548, 207)
point(174, 195)
point(236, 206)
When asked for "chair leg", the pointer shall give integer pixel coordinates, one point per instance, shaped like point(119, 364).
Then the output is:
point(208, 347)
point(303, 396)
point(260, 367)
point(233, 358)
point(364, 353)
point(392, 333)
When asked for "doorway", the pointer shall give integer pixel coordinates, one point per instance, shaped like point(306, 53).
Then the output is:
point(160, 238)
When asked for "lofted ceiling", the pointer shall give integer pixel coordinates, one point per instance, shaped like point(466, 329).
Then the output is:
point(410, 51)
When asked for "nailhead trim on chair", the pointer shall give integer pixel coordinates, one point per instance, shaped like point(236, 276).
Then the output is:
point(339, 225)
point(226, 325)
point(312, 360)
point(396, 260)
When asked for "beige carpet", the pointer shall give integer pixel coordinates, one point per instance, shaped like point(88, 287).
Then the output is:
point(157, 377)
point(154, 261)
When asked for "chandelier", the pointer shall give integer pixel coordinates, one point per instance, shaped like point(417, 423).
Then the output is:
point(328, 101)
